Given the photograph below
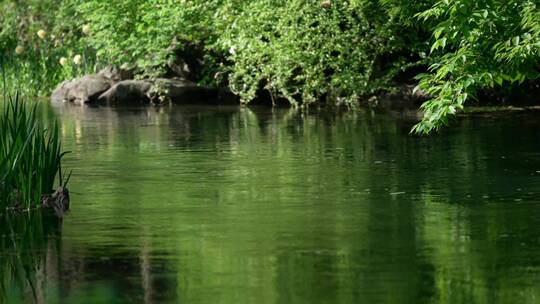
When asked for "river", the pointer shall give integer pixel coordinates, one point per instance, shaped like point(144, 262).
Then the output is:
point(259, 205)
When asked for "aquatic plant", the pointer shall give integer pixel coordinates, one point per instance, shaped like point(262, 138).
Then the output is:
point(30, 156)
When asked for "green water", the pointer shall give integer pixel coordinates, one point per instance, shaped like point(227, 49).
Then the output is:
point(229, 205)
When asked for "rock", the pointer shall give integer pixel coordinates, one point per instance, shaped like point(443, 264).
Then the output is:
point(89, 88)
point(81, 90)
point(109, 86)
point(158, 91)
point(116, 74)
point(127, 92)
point(179, 91)
point(60, 94)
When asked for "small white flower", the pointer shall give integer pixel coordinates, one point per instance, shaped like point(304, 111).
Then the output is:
point(77, 59)
point(86, 29)
point(42, 34)
point(232, 51)
point(19, 49)
point(63, 61)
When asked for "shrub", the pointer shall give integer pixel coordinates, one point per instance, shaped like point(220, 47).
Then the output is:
point(311, 51)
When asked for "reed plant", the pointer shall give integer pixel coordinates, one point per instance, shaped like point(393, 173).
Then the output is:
point(30, 156)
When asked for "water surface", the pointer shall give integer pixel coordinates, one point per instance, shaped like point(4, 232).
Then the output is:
point(232, 205)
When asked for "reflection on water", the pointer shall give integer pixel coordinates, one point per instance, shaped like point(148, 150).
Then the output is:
point(230, 205)
point(31, 247)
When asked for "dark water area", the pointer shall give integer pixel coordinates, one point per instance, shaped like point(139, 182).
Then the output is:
point(232, 205)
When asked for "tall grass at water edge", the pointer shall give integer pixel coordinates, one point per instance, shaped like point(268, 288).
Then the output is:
point(30, 155)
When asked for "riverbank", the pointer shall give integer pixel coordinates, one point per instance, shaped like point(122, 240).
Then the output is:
point(303, 54)
point(113, 86)
point(116, 86)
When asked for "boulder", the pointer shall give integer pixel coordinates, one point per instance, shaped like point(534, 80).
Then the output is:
point(114, 85)
point(127, 92)
point(158, 91)
point(116, 74)
point(81, 90)
point(60, 94)
point(180, 91)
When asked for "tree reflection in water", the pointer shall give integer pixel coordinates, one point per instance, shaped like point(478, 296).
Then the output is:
point(229, 205)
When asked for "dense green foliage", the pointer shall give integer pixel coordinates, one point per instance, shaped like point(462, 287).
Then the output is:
point(30, 156)
point(30, 58)
point(339, 52)
point(310, 52)
point(478, 45)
